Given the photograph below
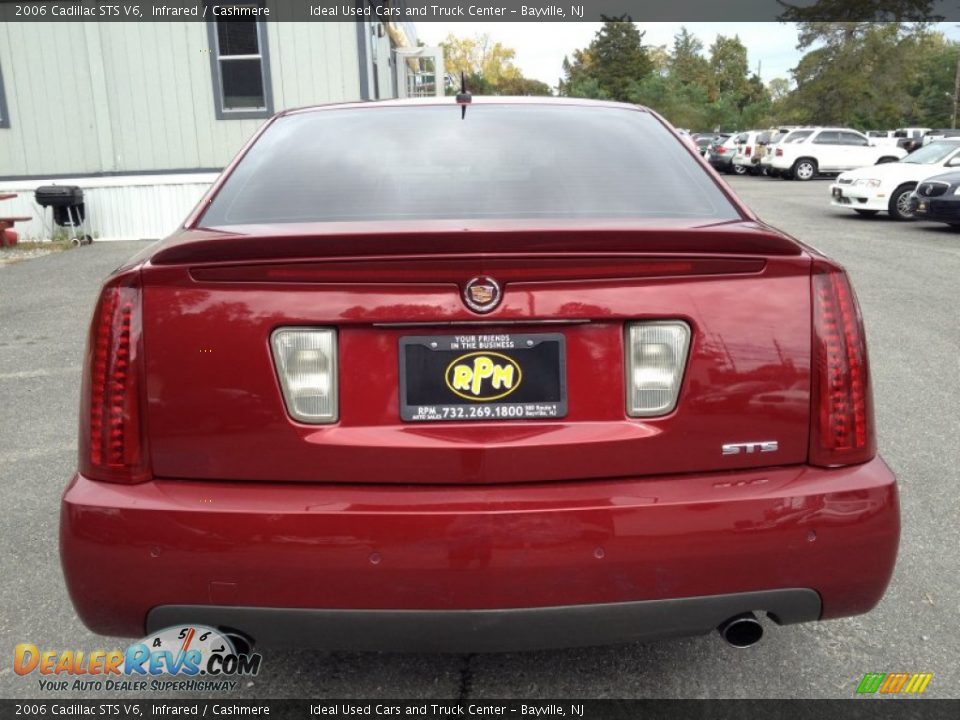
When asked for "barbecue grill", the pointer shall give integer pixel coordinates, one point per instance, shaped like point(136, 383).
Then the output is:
point(69, 211)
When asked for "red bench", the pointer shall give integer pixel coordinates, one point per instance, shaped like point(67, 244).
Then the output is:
point(7, 235)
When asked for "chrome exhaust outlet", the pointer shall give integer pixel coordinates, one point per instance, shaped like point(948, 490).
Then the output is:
point(741, 631)
point(242, 643)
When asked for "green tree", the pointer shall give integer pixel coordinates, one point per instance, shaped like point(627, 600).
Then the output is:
point(728, 61)
point(523, 86)
point(868, 75)
point(779, 89)
point(614, 63)
point(932, 86)
point(488, 66)
point(687, 63)
point(479, 55)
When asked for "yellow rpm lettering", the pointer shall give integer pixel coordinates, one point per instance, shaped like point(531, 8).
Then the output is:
point(482, 369)
point(482, 376)
point(502, 377)
point(462, 375)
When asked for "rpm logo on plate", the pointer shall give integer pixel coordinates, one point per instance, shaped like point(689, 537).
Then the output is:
point(483, 376)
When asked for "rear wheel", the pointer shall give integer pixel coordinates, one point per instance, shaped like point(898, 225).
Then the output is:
point(739, 170)
point(866, 213)
point(900, 206)
point(804, 169)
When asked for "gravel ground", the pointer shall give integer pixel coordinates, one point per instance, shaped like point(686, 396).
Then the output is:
point(906, 275)
point(8, 256)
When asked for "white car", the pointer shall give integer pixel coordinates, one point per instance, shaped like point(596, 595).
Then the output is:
point(747, 149)
point(887, 187)
point(804, 154)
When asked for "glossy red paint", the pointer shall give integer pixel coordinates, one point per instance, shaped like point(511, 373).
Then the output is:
point(216, 412)
point(127, 549)
point(234, 503)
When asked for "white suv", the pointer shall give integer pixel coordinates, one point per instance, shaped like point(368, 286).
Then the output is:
point(804, 154)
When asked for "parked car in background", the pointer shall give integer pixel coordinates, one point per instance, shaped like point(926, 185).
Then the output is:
point(887, 187)
point(746, 157)
point(937, 198)
point(909, 138)
point(497, 408)
point(881, 137)
point(766, 156)
point(944, 134)
point(706, 141)
point(805, 154)
point(767, 142)
point(721, 156)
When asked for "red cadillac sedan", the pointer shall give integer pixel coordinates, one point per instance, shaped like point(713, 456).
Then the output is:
point(505, 374)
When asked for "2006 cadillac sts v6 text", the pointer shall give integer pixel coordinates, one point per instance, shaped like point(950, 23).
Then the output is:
point(527, 375)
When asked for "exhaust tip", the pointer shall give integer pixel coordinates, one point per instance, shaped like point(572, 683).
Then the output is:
point(741, 631)
point(242, 643)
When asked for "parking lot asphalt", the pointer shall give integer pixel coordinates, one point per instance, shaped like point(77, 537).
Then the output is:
point(906, 275)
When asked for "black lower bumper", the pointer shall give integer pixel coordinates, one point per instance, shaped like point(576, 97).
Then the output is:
point(937, 209)
point(469, 631)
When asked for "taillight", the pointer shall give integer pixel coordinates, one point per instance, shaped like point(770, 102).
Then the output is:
point(111, 425)
point(842, 431)
point(656, 358)
point(306, 361)
point(747, 151)
point(778, 152)
point(721, 150)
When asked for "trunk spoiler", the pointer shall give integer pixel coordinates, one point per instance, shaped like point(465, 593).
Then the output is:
point(340, 240)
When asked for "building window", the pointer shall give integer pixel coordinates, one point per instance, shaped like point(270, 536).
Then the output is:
point(4, 113)
point(240, 65)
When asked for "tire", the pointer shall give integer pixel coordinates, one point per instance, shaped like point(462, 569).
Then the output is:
point(739, 170)
point(886, 159)
point(804, 169)
point(899, 207)
point(865, 213)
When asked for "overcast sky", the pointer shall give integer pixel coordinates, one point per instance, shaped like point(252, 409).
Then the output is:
point(541, 46)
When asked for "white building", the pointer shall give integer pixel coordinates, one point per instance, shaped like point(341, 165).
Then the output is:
point(143, 116)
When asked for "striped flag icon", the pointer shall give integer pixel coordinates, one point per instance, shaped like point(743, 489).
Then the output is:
point(893, 683)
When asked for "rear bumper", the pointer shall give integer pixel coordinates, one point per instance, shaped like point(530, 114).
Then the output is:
point(133, 556)
point(470, 631)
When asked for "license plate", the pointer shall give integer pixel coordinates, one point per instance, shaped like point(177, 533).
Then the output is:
point(483, 377)
point(837, 192)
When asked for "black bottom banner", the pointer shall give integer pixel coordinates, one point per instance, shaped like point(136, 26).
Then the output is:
point(872, 709)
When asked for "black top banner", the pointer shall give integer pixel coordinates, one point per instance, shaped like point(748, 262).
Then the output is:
point(477, 10)
point(486, 709)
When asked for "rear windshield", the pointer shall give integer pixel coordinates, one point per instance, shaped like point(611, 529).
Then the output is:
point(500, 161)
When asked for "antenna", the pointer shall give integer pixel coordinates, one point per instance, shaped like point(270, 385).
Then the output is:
point(464, 97)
